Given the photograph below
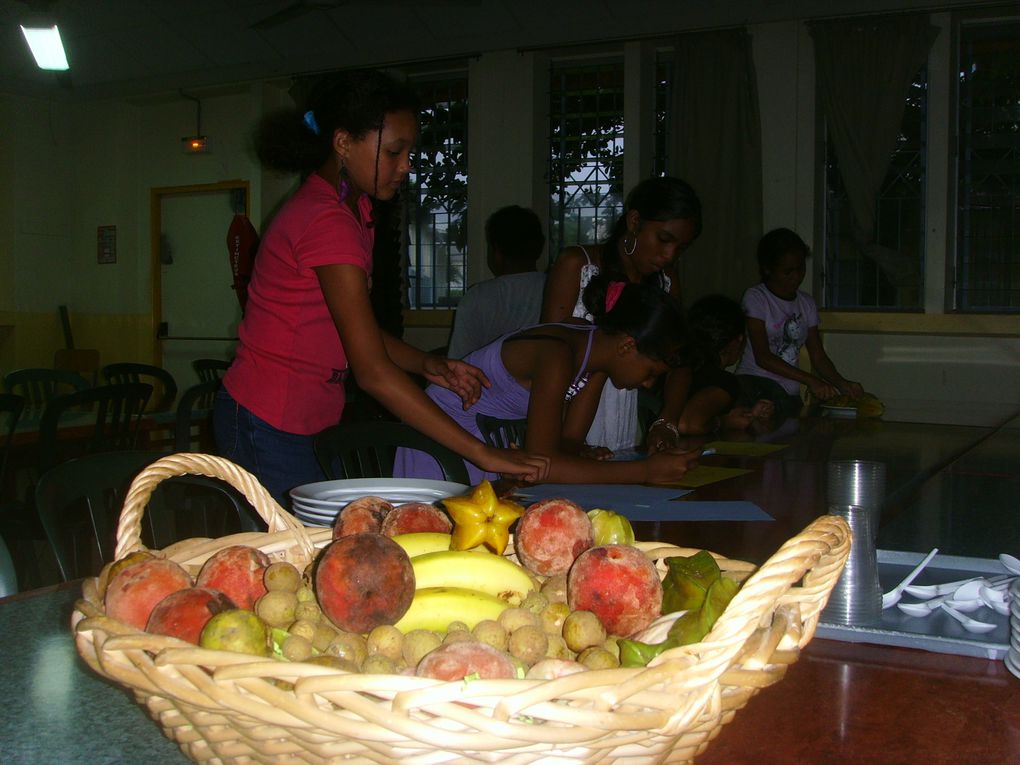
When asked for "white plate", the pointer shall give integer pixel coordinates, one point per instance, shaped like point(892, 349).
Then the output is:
point(327, 497)
point(849, 412)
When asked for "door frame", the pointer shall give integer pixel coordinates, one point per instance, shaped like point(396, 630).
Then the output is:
point(156, 196)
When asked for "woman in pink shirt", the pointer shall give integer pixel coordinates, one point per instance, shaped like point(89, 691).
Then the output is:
point(308, 322)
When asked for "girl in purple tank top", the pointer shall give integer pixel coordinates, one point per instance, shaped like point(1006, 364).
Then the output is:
point(553, 375)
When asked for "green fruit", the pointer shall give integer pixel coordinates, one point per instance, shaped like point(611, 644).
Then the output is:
point(611, 528)
point(237, 630)
point(687, 581)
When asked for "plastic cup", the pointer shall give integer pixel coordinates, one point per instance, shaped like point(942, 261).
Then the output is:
point(857, 597)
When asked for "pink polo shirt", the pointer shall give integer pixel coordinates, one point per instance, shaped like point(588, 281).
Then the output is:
point(290, 366)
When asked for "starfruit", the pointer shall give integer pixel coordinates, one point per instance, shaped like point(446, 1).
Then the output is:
point(611, 528)
point(481, 518)
point(687, 581)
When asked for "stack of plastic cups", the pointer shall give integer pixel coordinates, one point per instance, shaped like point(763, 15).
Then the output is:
point(856, 489)
point(1013, 655)
point(857, 482)
point(857, 597)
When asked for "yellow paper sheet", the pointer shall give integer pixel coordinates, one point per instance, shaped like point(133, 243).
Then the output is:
point(744, 448)
point(706, 474)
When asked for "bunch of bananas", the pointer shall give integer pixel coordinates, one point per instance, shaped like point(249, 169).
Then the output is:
point(458, 585)
point(867, 405)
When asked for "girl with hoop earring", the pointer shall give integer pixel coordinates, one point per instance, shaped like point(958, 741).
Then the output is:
point(661, 219)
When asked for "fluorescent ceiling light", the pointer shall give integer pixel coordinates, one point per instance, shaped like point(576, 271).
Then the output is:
point(46, 47)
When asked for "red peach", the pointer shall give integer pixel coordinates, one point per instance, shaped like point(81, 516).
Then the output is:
point(551, 534)
point(184, 613)
point(455, 661)
point(619, 584)
point(363, 515)
point(413, 517)
point(236, 571)
point(136, 589)
point(363, 581)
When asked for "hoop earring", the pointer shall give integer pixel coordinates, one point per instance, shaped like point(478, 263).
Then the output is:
point(628, 251)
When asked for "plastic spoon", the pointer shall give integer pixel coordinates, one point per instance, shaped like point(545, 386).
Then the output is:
point(1010, 562)
point(891, 598)
point(971, 625)
point(931, 590)
point(926, 607)
point(996, 599)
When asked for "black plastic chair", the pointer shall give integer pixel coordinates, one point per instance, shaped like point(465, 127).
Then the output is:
point(109, 414)
point(11, 407)
point(37, 385)
point(79, 504)
point(8, 576)
point(210, 369)
point(366, 450)
point(501, 433)
point(134, 372)
point(194, 408)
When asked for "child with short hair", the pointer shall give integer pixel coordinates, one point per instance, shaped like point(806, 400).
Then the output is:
point(781, 319)
point(513, 299)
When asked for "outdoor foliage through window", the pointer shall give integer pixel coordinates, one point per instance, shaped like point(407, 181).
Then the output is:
point(437, 197)
point(586, 153)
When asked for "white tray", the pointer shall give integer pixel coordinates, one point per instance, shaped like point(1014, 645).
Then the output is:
point(938, 632)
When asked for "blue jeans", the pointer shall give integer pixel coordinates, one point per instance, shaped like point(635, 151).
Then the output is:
point(280, 460)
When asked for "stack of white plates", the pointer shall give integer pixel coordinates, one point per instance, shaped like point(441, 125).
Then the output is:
point(317, 504)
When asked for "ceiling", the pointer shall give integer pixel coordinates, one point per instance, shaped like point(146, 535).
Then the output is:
point(120, 48)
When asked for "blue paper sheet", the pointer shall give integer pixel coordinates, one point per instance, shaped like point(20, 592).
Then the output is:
point(645, 503)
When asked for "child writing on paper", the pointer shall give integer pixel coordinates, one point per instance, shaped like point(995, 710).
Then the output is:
point(781, 319)
point(553, 375)
point(717, 328)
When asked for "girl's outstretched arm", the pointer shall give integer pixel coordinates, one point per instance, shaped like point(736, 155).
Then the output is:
point(466, 380)
point(820, 361)
point(345, 289)
point(766, 359)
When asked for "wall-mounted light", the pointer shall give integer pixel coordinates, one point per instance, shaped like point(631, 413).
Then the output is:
point(197, 143)
point(47, 48)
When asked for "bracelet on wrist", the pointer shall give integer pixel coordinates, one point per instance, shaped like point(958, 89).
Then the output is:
point(670, 426)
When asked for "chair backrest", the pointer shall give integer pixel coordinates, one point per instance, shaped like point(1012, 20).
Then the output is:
point(109, 416)
point(79, 504)
point(194, 405)
point(210, 369)
point(366, 450)
point(502, 433)
point(8, 576)
point(11, 406)
point(133, 372)
point(37, 385)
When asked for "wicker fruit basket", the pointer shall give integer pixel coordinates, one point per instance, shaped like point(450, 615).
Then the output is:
point(224, 707)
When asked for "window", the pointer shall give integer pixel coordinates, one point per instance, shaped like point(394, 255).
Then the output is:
point(586, 152)
point(988, 191)
point(891, 275)
point(437, 198)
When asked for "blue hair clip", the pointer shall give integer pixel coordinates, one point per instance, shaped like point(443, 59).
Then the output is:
point(310, 122)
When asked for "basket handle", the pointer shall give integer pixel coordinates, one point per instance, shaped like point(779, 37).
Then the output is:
point(187, 463)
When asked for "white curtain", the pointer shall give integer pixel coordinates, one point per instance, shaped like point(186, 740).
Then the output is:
point(716, 147)
point(864, 69)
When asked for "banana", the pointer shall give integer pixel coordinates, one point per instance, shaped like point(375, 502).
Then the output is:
point(433, 608)
point(421, 542)
point(483, 571)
